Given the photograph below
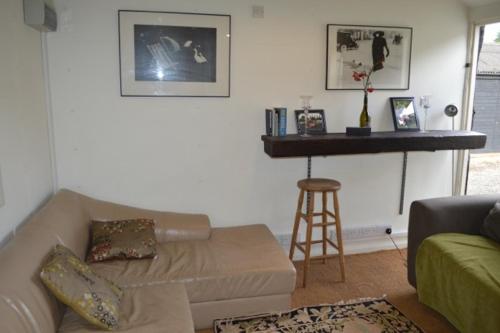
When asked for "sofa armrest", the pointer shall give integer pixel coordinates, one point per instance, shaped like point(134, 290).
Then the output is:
point(463, 214)
point(169, 226)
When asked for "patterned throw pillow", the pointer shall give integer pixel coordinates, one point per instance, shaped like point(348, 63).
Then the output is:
point(74, 283)
point(125, 239)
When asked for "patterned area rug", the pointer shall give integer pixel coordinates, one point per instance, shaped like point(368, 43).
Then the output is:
point(368, 316)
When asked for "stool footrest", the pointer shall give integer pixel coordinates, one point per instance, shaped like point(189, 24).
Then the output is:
point(319, 241)
point(325, 256)
point(300, 245)
point(328, 213)
point(332, 243)
point(324, 224)
point(331, 214)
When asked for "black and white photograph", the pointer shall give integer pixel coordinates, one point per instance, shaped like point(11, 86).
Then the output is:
point(170, 53)
point(386, 50)
point(404, 114)
point(317, 122)
point(174, 54)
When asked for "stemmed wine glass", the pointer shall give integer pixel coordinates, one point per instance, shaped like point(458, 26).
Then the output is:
point(306, 105)
point(425, 102)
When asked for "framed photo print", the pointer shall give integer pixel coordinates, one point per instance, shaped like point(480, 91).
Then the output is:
point(174, 54)
point(360, 48)
point(317, 122)
point(404, 114)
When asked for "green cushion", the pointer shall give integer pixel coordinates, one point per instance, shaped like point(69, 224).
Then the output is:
point(75, 284)
point(491, 224)
point(458, 275)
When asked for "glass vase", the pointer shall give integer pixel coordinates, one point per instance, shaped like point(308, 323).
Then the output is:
point(306, 105)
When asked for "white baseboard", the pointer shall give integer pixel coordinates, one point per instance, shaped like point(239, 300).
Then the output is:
point(359, 245)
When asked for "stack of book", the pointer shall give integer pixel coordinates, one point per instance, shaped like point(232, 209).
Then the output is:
point(276, 121)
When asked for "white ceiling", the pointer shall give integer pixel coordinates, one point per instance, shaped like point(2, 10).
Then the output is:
point(476, 3)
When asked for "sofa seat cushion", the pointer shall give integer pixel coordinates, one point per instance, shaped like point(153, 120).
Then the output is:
point(458, 275)
point(148, 309)
point(235, 262)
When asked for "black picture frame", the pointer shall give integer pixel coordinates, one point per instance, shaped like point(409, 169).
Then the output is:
point(404, 114)
point(318, 115)
point(338, 65)
point(169, 59)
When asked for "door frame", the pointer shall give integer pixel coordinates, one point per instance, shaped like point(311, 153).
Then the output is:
point(484, 15)
point(463, 156)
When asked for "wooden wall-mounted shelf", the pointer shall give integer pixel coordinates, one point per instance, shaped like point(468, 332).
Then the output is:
point(378, 142)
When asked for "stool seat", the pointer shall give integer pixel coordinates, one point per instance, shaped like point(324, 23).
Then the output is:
point(319, 184)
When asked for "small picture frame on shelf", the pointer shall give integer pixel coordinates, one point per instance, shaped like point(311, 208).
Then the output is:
point(404, 114)
point(317, 122)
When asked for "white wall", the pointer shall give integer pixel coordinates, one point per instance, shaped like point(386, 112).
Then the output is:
point(205, 155)
point(24, 146)
point(485, 14)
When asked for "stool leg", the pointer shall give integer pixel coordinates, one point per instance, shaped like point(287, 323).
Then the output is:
point(339, 234)
point(310, 211)
point(296, 224)
point(324, 221)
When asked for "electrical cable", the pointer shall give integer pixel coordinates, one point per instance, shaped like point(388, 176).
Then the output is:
point(388, 231)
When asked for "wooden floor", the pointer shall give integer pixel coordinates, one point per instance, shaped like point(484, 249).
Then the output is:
point(368, 275)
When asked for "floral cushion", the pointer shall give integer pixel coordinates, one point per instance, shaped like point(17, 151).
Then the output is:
point(125, 239)
point(74, 283)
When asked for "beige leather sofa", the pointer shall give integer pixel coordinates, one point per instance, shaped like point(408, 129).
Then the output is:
point(200, 273)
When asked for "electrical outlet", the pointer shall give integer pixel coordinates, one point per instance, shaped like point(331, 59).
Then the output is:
point(362, 232)
point(258, 11)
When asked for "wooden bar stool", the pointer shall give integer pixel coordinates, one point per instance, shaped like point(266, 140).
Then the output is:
point(313, 186)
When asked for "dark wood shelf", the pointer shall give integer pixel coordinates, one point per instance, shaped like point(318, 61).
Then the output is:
point(378, 142)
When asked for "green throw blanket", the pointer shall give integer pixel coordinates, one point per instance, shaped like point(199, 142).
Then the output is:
point(458, 275)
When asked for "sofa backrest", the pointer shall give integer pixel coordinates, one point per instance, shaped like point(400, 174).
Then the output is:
point(25, 304)
point(169, 226)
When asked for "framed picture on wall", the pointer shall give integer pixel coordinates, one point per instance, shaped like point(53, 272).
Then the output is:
point(174, 54)
point(404, 114)
point(358, 48)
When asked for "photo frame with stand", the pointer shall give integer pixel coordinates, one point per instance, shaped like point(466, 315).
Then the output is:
point(404, 114)
point(317, 122)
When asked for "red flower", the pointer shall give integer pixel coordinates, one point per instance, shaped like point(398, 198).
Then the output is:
point(370, 90)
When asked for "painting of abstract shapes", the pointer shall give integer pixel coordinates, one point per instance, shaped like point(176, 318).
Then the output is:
point(174, 54)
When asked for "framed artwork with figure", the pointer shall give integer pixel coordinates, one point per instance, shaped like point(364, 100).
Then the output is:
point(356, 48)
point(174, 54)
